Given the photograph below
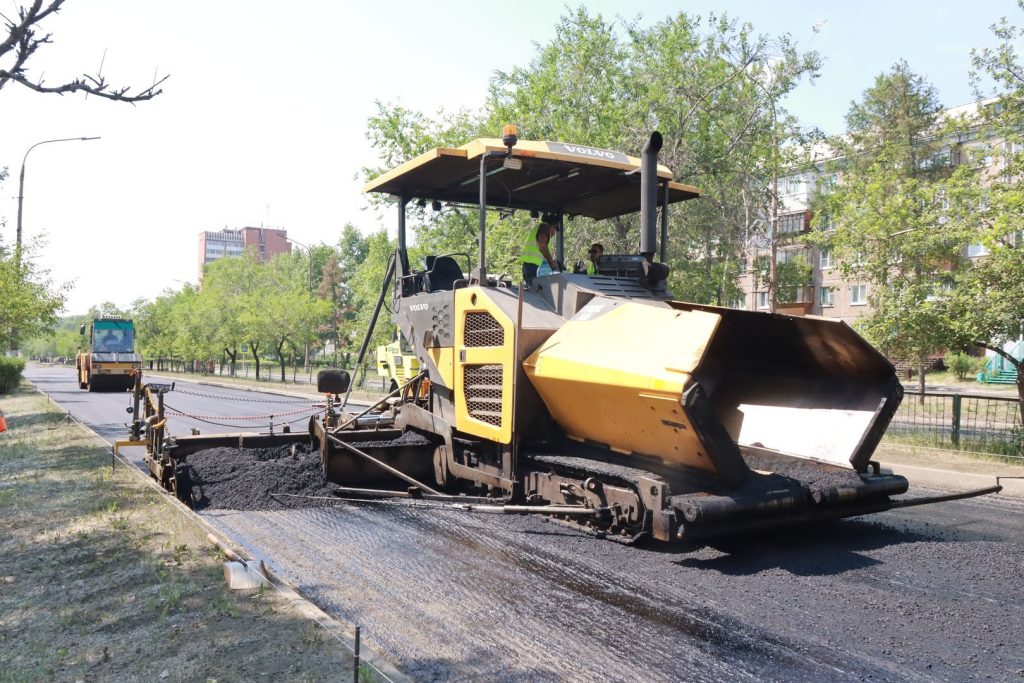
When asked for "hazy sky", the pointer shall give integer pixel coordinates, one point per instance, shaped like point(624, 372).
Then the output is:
point(262, 121)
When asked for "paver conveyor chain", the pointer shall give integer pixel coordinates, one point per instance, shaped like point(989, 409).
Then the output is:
point(241, 399)
point(305, 411)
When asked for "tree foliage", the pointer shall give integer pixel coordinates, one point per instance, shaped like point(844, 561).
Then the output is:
point(986, 301)
point(711, 86)
point(29, 299)
point(894, 229)
point(266, 309)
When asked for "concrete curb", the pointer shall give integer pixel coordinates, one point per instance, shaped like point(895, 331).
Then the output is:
point(954, 481)
point(339, 629)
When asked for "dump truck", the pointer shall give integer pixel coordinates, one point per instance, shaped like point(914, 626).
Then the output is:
point(108, 362)
point(598, 399)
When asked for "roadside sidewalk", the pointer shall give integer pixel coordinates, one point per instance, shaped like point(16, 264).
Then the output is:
point(951, 470)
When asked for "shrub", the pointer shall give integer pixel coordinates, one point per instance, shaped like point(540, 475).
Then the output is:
point(10, 372)
point(962, 365)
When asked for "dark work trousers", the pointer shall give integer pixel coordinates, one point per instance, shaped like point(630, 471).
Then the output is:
point(529, 272)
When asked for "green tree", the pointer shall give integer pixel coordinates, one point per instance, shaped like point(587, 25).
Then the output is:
point(336, 286)
point(228, 289)
point(290, 313)
point(153, 328)
point(986, 300)
point(895, 228)
point(368, 279)
point(711, 86)
point(29, 299)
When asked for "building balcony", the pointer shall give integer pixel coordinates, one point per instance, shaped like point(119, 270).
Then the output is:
point(795, 300)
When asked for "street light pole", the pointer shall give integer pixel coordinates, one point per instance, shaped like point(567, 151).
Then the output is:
point(21, 187)
point(21, 199)
point(309, 254)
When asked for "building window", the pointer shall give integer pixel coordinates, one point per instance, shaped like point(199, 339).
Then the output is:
point(975, 250)
point(827, 183)
point(825, 221)
point(740, 302)
point(937, 160)
point(858, 295)
point(940, 290)
point(827, 296)
point(825, 259)
point(791, 223)
point(762, 300)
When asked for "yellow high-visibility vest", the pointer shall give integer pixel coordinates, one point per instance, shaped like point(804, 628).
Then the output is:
point(591, 269)
point(531, 251)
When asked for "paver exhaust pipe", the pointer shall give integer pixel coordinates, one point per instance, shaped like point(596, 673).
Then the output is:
point(649, 196)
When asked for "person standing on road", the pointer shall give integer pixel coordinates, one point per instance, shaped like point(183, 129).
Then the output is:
point(536, 248)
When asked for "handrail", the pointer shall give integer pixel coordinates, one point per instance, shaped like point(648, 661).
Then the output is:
point(942, 394)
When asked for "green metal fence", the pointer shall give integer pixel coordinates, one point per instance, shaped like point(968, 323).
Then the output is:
point(984, 424)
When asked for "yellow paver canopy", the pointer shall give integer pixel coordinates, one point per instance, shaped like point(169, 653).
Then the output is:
point(555, 176)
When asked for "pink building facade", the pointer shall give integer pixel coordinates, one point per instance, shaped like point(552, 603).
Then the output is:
point(266, 242)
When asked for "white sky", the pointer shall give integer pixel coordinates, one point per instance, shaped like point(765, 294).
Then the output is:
point(267, 104)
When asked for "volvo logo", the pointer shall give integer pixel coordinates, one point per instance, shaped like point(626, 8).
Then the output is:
point(591, 152)
point(418, 307)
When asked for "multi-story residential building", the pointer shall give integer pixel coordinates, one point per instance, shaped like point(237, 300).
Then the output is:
point(266, 242)
point(827, 293)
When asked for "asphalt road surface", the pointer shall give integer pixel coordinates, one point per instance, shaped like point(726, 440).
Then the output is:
point(925, 593)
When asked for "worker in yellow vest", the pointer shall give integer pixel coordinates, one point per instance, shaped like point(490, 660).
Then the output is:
point(536, 250)
point(595, 254)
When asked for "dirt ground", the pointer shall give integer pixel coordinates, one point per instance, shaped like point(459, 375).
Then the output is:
point(102, 580)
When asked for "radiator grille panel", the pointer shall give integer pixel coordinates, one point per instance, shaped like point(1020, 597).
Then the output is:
point(483, 393)
point(482, 329)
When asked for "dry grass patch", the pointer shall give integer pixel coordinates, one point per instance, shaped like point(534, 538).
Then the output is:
point(101, 579)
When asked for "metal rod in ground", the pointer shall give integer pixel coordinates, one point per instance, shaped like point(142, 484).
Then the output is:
point(355, 661)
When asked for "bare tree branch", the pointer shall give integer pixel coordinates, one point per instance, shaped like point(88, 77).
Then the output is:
point(995, 349)
point(23, 41)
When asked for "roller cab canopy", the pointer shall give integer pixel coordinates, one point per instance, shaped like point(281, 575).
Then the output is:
point(554, 177)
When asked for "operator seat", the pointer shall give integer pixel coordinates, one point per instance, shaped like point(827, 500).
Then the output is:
point(443, 273)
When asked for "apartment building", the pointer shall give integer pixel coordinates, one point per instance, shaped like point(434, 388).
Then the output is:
point(826, 293)
point(266, 242)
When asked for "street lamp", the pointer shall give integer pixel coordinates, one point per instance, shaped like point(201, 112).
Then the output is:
point(21, 184)
point(21, 198)
point(309, 253)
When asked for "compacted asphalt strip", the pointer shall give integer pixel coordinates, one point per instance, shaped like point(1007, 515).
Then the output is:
point(922, 593)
